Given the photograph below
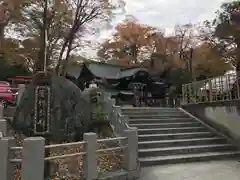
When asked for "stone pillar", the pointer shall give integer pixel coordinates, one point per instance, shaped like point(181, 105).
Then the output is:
point(131, 153)
point(1, 111)
point(3, 128)
point(90, 159)
point(6, 167)
point(33, 158)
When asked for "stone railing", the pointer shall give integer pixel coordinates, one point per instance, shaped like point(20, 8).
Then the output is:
point(33, 155)
point(222, 88)
point(33, 150)
point(116, 118)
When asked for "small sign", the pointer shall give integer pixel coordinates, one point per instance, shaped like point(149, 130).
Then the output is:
point(42, 110)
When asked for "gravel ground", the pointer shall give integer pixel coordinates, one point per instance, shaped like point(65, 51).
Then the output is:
point(71, 168)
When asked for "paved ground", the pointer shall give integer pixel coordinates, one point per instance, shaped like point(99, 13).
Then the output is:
point(215, 170)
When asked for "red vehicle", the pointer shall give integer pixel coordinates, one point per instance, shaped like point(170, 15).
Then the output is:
point(7, 96)
point(20, 80)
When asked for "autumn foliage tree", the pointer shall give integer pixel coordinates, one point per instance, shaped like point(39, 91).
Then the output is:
point(207, 63)
point(129, 45)
point(135, 43)
point(67, 21)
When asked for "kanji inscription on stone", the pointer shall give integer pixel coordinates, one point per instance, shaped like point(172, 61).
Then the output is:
point(42, 110)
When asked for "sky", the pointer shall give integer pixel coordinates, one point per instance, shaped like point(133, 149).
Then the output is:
point(165, 14)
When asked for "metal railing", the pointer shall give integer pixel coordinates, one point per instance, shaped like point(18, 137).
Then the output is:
point(222, 88)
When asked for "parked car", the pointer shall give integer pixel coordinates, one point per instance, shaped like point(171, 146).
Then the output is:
point(7, 96)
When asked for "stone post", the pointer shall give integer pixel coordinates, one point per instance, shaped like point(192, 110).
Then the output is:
point(3, 127)
point(124, 120)
point(109, 108)
point(1, 111)
point(111, 118)
point(210, 90)
point(131, 153)
point(6, 167)
point(33, 158)
point(167, 99)
point(21, 88)
point(90, 159)
point(116, 123)
point(183, 95)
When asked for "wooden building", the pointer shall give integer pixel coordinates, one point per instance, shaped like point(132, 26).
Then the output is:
point(132, 85)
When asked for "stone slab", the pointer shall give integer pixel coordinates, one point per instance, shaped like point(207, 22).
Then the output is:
point(220, 170)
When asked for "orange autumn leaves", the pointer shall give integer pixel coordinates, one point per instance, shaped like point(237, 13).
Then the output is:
point(134, 43)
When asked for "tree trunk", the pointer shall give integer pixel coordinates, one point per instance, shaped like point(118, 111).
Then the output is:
point(134, 52)
point(61, 57)
point(39, 63)
point(65, 63)
point(238, 57)
point(1, 37)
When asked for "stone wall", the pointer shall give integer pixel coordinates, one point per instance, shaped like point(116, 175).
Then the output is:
point(223, 116)
point(9, 111)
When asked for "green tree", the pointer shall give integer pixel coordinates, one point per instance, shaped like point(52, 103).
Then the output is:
point(223, 33)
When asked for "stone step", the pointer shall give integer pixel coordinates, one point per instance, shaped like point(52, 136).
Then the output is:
point(149, 109)
point(171, 130)
point(207, 156)
point(157, 116)
point(154, 137)
point(120, 174)
point(161, 120)
point(152, 113)
point(180, 142)
point(185, 150)
point(166, 125)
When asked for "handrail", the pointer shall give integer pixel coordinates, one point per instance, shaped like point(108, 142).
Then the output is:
point(65, 144)
point(111, 149)
point(16, 148)
point(64, 156)
point(16, 160)
point(111, 139)
point(218, 89)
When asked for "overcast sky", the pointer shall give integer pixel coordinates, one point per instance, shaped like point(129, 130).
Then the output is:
point(165, 14)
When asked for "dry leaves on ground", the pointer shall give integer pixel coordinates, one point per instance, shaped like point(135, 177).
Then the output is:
point(71, 167)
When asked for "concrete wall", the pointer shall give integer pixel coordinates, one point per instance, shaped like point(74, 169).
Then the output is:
point(224, 116)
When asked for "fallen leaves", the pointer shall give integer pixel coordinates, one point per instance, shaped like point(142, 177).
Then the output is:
point(72, 167)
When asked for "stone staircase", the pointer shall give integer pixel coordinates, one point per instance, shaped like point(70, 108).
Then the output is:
point(168, 135)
